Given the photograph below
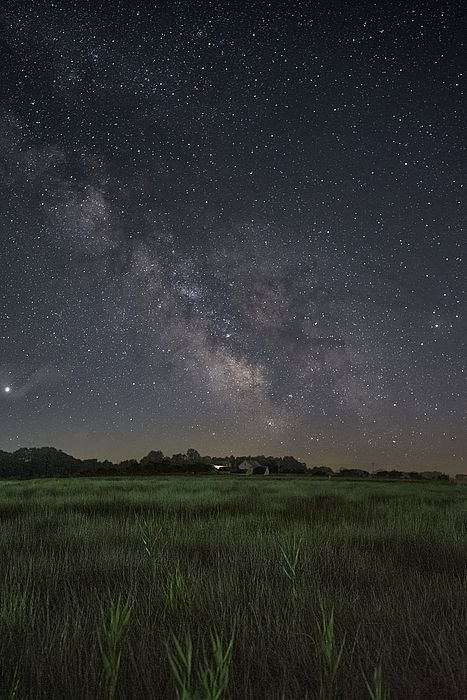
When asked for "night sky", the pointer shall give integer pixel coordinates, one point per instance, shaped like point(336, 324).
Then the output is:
point(235, 227)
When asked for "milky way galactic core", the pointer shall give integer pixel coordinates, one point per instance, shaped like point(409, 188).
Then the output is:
point(235, 228)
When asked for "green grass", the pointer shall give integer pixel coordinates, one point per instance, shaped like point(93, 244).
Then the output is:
point(224, 587)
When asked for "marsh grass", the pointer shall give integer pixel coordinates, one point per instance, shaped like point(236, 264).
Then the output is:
point(329, 653)
point(211, 679)
point(290, 562)
point(326, 584)
point(375, 685)
point(114, 624)
point(175, 587)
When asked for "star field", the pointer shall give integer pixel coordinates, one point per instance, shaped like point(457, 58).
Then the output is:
point(232, 227)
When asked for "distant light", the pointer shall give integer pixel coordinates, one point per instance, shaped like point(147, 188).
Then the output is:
point(7, 389)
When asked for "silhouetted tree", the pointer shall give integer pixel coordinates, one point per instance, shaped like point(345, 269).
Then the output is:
point(193, 455)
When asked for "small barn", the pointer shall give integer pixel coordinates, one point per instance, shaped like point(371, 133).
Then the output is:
point(252, 468)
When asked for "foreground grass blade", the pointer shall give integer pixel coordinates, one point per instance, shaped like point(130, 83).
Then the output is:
point(329, 653)
point(115, 622)
point(212, 676)
point(375, 686)
point(290, 562)
point(180, 660)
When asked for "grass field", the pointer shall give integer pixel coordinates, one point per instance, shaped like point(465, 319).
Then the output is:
point(229, 587)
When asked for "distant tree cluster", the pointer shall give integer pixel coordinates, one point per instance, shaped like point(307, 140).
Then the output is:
point(391, 474)
point(48, 461)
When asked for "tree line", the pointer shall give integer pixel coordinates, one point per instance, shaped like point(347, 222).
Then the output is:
point(47, 462)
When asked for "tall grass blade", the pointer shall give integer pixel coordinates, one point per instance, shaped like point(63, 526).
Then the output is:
point(115, 622)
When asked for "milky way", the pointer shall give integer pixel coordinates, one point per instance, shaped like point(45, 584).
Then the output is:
point(236, 228)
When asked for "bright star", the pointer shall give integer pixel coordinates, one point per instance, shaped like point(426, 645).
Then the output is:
point(7, 389)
